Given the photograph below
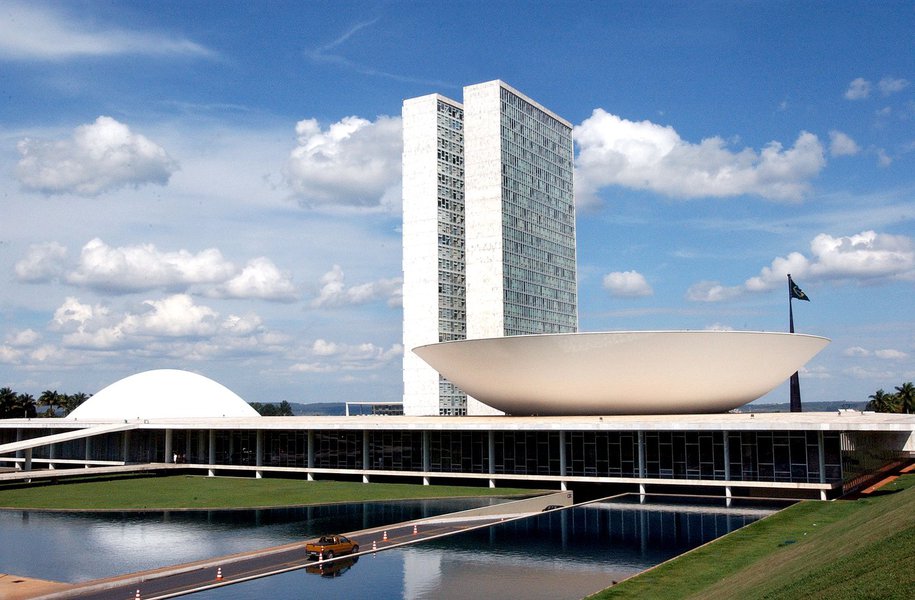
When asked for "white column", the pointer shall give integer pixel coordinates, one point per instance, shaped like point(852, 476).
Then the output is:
point(822, 456)
point(311, 453)
point(169, 458)
point(125, 447)
point(641, 442)
point(52, 454)
point(88, 455)
point(259, 453)
point(562, 459)
point(427, 461)
point(492, 457)
point(211, 472)
point(366, 461)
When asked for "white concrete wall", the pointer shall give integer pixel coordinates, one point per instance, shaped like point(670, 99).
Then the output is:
point(420, 251)
point(483, 213)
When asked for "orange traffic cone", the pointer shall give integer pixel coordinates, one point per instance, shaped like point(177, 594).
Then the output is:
point(415, 531)
point(374, 545)
point(385, 537)
point(218, 573)
point(137, 596)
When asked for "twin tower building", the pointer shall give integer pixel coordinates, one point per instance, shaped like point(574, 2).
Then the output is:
point(488, 230)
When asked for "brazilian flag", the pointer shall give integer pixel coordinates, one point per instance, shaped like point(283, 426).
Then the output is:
point(796, 292)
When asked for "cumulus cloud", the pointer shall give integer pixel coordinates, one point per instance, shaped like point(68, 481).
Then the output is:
point(175, 316)
point(353, 164)
point(858, 89)
point(260, 279)
point(890, 85)
point(24, 337)
point(712, 291)
point(841, 144)
point(31, 31)
point(866, 258)
point(331, 356)
point(44, 262)
point(645, 155)
point(856, 351)
point(334, 292)
point(9, 355)
point(145, 267)
point(627, 284)
point(98, 157)
point(891, 354)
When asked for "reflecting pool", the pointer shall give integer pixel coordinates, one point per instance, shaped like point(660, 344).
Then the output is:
point(562, 554)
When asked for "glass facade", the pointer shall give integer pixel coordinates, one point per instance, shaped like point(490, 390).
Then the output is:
point(538, 220)
point(759, 456)
point(452, 293)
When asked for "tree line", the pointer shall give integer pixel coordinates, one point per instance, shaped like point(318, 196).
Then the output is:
point(50, 403)
point(272, 409)
point(903, 401)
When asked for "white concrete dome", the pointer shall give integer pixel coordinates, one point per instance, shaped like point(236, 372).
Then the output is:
point(622, 372)
point(163, 394)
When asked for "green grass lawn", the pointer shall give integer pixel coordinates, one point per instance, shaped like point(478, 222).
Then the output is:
point(843, 549)
point(190, 492)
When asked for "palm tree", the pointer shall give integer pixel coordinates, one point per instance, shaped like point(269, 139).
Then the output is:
point(880, 401)
point(7, 403)
point(905, 394)
point(69, 402)
point(51, 400)
point(25, 406)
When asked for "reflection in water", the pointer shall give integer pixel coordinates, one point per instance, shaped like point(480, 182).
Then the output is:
point(333, 569)
point(564, 554)
point(45, 544)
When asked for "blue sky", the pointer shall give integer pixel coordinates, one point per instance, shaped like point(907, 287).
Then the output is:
point(215, 186)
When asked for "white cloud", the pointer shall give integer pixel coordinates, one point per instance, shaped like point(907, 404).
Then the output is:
point(883, 159)
point(331, 357)
point(100, 156)
point(325, 348)
point(334, 292)
point(841, 144)
point(644, 155)
point(627, 284)
point(9, 355)
point(24, 337)
point(260, 279)
point(354, 164)
point(867, 258)
point(719, 327)
point(30, 31)
point(856, 351)
point(44, 262)
point(144, 267)
point(889, 85)
point(711, 291)
point(858, 89)
point(890, 354)
point(148, 324)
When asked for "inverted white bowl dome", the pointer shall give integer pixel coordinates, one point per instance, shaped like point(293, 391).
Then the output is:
point(624, 372)
point(163, 394)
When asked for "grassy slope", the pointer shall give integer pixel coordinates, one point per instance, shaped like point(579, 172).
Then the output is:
point(176, 492)
point(842, 549)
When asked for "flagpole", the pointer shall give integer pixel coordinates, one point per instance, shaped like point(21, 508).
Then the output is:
point(795, 382)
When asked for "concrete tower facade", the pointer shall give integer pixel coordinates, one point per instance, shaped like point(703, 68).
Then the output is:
point(489, 229)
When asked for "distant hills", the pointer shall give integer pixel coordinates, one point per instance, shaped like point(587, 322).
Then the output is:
point(807, 407)
point(338, 409)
